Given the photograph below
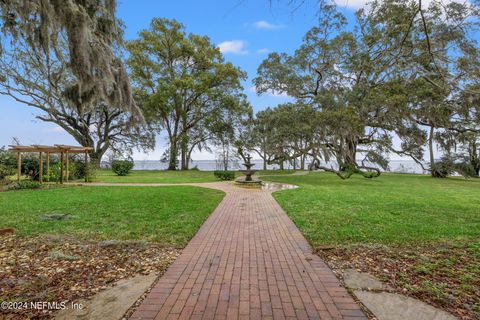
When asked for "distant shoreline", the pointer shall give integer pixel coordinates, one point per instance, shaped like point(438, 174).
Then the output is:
point(395, 166)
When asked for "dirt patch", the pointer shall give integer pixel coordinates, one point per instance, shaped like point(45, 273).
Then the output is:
point(445, 275)
point(64, 269)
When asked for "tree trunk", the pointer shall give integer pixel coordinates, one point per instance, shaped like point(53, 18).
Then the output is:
point(281, 164)
point(172, 161)
point(265, 161)
point(225, 160)
point(476, 166)
point(302, 162)
point(96, 156)
point(184, 165)
point(349, 159)
point(184, 151)
point(474, 156)
point(430, 149)
point(189, 156)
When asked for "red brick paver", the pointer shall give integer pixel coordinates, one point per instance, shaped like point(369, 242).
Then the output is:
point(248, 261)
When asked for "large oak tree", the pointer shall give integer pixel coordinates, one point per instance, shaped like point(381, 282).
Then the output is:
point(183, 84)
point(38, 79)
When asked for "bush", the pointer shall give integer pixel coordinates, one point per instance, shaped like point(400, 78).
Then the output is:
point(53, 174)
point(8, 158)
point(31, 166)
point(72, 170)
point(83, 170)
point(122, 167)
point(5, 172)
point(25, 184)
point(224, 175)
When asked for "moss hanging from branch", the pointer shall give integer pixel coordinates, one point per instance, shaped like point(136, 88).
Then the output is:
point(92, 32)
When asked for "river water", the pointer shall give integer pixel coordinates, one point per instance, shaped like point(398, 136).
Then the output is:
point(398, 166)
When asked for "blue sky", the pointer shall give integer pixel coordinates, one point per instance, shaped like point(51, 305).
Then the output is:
point(245, 30)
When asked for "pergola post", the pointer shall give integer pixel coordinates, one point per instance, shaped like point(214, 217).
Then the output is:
point(66, 169)
point(48, 165)
point(19, 165)
point(41, 167)
point(61, 167)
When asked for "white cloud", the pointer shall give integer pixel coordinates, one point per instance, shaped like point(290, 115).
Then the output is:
point(263, 51)
point(233, 46)
point(265, 25)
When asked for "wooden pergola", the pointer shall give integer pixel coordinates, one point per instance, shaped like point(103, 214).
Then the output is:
point(63, 150)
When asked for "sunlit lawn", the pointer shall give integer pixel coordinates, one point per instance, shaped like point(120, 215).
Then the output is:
point(156, 176)
point(169, 215)
point(167, 176)
point(391, 209)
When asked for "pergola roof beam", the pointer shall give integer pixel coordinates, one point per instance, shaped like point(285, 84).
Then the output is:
point(58, 148)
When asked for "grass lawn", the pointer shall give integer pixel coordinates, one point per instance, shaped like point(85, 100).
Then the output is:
point(274, 172)
point(156, 176)
point(167, 176)
point(169, 215)
point(419, 234)
point(391, 209)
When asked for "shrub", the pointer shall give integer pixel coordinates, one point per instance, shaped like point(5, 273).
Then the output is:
point(8, 158)
point(5, 172)
point(25, 184)
point(83, 170)
point(224, 175)
point(53, 174)
point(31, 166)
point(122, 167)
point(72, 170)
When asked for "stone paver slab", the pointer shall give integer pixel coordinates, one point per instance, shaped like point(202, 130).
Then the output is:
point(112, 303)
point(361, 280)
point(392, 306)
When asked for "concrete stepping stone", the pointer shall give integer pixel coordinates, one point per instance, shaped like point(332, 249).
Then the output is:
point(112, 303)
point(392, 306)
point(389, 306)
point(361, 280)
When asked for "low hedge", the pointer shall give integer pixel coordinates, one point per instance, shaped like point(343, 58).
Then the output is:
point(122, 167)
point(25, 184)
point(224, 175)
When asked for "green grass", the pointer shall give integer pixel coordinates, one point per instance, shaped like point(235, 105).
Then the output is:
point(274, 172)
point(167, 176)
point(169, 215)
point(392, 209)
point(156, 176)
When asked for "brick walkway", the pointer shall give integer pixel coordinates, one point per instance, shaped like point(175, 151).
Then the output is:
point(248, 261)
